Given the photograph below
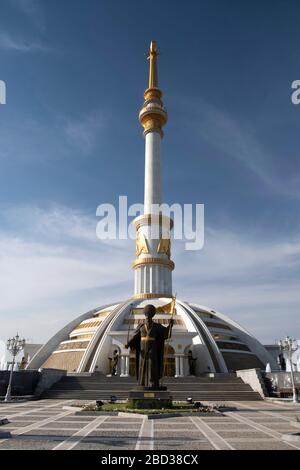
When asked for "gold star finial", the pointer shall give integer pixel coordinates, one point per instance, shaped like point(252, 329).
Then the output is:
point(153, 115)
point(153, 53)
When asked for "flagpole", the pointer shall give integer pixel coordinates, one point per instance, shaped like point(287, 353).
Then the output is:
point(130, 313)
point(169, 332)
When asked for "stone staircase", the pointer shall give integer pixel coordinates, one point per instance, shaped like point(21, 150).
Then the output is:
point(96, 386)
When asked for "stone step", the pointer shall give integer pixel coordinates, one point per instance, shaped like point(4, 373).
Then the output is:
point(86, 395)
point(124, 396)
point(182, 387)
point(102, 379)
point(133, 383)
point(97, 386)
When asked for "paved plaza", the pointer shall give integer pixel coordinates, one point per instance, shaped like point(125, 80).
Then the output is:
point(46, 425)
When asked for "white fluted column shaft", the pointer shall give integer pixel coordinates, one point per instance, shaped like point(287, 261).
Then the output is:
point(152, 171)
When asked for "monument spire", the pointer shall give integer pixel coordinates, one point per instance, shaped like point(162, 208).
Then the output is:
point(153, 266)
point(153, 77)
point(153, 117)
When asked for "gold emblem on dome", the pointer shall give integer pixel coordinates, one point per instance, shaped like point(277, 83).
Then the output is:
point(164, 247)
point(141, 245)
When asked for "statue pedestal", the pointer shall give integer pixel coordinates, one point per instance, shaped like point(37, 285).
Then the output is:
point(148, 398)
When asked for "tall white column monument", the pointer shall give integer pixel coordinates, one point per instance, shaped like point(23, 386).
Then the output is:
point(153, 266)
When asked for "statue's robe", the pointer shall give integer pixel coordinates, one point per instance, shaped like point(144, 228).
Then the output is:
point(149, 349)
point(192, 364)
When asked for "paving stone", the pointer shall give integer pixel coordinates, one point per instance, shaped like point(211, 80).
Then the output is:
point(115, 434)
point(76, 419)
point(20, 444)
point(235, 427)
point(268, 421)
point(163, 435)
point(8, 429)
point(98, 446)
point(163, 425)
point(247, 435)
point(123, 420)
point(50, 432)
point(183, 445)
point(18, 424)
point(282, 429)
point(120, 426)
point(261, 445)
point(219, 420)
point(120, 433)
point(276, 426)
point(24, 418)
point(56, 425)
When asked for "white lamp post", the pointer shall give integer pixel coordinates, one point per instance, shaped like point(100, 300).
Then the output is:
point(14, 346)
point(289, 346)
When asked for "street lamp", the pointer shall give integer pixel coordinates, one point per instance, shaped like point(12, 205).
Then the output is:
point(289, 346)
point(14, 346)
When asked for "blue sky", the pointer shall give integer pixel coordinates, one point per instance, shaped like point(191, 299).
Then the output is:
point(75, 72)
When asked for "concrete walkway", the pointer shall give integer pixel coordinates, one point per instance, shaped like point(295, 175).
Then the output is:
point(45, 425)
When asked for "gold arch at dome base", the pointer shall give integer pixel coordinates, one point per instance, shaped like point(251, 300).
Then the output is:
point(151, 296)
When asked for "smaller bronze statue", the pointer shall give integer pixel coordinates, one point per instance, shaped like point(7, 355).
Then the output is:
point(114, 362)
point(23, 363)
point(148, 344)
point(282, 362)
point(192, 363)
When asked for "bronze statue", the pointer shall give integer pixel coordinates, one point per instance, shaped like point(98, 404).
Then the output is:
point(23, 363)
point(114, 362)
point(148, 344)
point(282, 362)
point(192, 363)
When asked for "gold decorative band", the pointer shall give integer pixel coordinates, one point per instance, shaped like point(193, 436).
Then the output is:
point(143, 261)
point(153, 129)
point(146, 219)
point(151, 296)
point(153, 119)
point(147, 338)
point(152, 93)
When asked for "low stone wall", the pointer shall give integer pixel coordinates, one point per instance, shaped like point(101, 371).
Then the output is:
point(48, 377)
point(30, 382)
point(281, 380)
point(253, 377)
point(23, 382)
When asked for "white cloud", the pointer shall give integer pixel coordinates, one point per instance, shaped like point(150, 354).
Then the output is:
point(245, 277)
point(35, 271)
point(55, 268)
point(52, 225)
point(60, 137)
point(84, 131)
point(55, 253)
point(33, 10)
point(10, 43)
point(238, 140)
point(229, 253)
